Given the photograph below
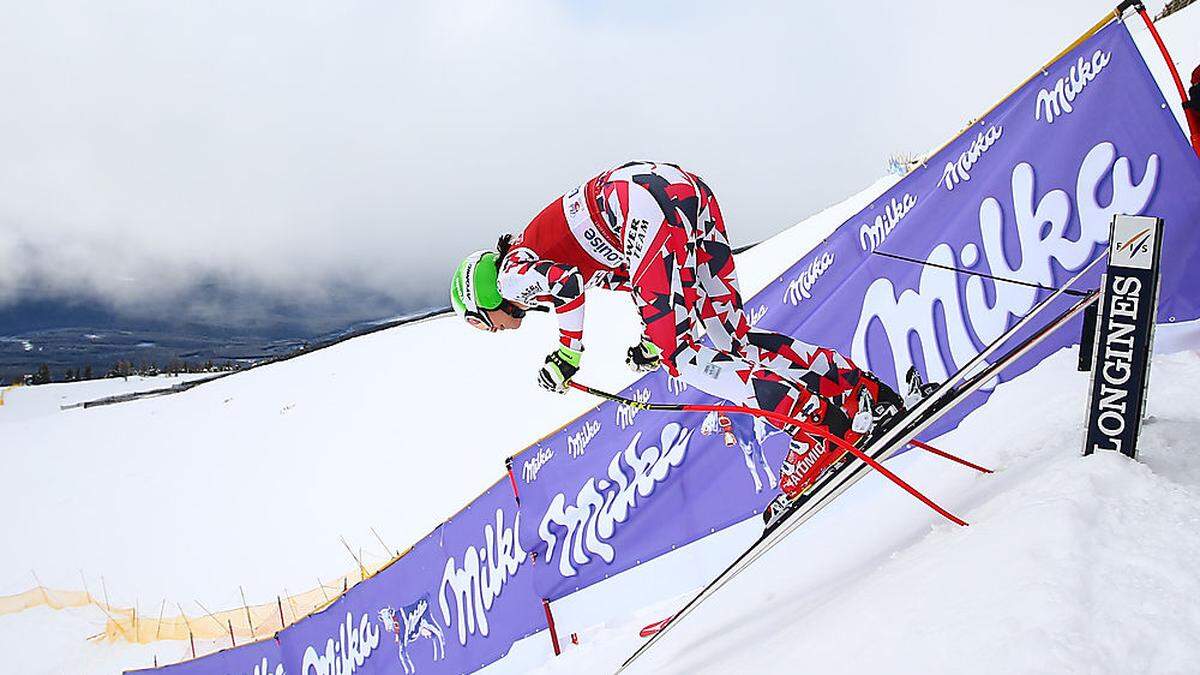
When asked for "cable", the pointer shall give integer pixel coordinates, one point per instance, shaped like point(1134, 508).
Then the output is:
point(1078, 294)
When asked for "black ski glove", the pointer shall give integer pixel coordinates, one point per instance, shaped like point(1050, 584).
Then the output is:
point(643, 357)
point(561, 366)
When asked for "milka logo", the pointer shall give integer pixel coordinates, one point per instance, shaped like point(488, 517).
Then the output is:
point(480, 580)
point(960, 171)
point(626, 412)
point(345, 655)
point(1041, 235)
point(757, 314)
point(1057, 101)
point(601, 505)
point(533, 466)
point(870, 236)
point(578, 441)
point(800, 288)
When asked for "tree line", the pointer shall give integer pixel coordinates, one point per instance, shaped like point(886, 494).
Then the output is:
point(127, 368)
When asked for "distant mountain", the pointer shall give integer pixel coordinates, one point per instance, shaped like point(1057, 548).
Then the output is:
point(67, 335)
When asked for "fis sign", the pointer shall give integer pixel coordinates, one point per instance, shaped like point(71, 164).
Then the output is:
point(1124, 331)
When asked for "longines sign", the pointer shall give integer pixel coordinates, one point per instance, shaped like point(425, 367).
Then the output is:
point(1124, 332)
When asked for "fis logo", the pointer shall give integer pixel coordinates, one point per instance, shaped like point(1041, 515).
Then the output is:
point(1137, 243)
point(1134, 250)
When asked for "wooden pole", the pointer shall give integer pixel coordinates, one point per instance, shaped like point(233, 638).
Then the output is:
point(105, 587)
point(45, 596)
point(191, 637)
point(362, 570)
point(387, 551)
point(282, 623)
point(210, 615)
point(232, 641)
point(247, 606)
point(158, 632)
point(292, 604)
point(108, 609)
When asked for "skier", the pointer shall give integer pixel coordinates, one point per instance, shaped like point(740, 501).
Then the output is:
point(655, 231)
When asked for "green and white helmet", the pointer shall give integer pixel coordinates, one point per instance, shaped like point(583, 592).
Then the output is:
point(473, 289)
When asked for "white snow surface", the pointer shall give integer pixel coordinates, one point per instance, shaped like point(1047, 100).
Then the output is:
point(1070, 564)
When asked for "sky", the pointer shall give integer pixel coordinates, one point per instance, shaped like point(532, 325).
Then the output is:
point(294, 150)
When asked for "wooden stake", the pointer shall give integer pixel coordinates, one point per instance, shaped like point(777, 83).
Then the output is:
point(105, 587)
point(107, 609)
point(292, 604)
point(45, 597)
point(161, 607)
point(231, 640)
point(191, 638)
point(386, 551)
point(362, 570)
point(210, 614)
point(247, 606)
point(85, 586)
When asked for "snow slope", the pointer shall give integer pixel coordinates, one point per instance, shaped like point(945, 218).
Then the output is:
point(251, 480)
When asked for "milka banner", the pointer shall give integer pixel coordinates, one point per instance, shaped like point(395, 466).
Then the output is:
point(454, 603)
point(258, 658)
point(1026, 193)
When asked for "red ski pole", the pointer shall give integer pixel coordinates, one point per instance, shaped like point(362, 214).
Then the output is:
point(781, 419)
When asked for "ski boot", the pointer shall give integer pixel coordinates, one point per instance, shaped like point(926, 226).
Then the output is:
point(806, 462)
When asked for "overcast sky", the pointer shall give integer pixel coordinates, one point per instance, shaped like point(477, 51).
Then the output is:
point(285, 148)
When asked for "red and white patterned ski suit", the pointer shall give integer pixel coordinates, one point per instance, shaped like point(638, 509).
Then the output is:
point(656, 231)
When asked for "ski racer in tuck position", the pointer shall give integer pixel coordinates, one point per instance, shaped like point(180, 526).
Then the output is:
point(655, 231)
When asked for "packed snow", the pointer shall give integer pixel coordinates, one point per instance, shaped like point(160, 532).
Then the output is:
point(1070, 564)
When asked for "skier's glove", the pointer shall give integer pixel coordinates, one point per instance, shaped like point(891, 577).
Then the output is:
point(644, 357)
point(561, 366)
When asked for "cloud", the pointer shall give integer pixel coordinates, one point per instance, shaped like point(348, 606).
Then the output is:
point(289, 148)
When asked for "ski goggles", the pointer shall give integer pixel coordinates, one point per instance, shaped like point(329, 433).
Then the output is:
point(480, 319)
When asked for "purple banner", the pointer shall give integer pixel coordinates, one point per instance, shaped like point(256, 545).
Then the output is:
point(256, 658)
point(1026, 193)
point(454, 603)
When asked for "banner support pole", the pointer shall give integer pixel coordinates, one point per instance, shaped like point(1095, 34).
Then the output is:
point(1193, 119)
point(550, 625)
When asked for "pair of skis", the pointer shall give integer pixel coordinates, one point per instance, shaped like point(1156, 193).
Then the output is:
point(975, 374)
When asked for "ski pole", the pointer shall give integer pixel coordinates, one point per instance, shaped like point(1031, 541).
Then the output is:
point(953, 458)
point(782, 419)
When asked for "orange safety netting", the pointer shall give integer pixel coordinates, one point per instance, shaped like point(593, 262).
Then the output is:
point(245, 623)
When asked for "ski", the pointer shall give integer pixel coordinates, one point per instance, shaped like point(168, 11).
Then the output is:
point(968, 379)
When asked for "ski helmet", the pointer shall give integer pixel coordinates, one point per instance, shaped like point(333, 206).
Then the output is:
point(473, 289)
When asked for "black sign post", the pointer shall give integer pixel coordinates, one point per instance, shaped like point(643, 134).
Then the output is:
point(1124, 335)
